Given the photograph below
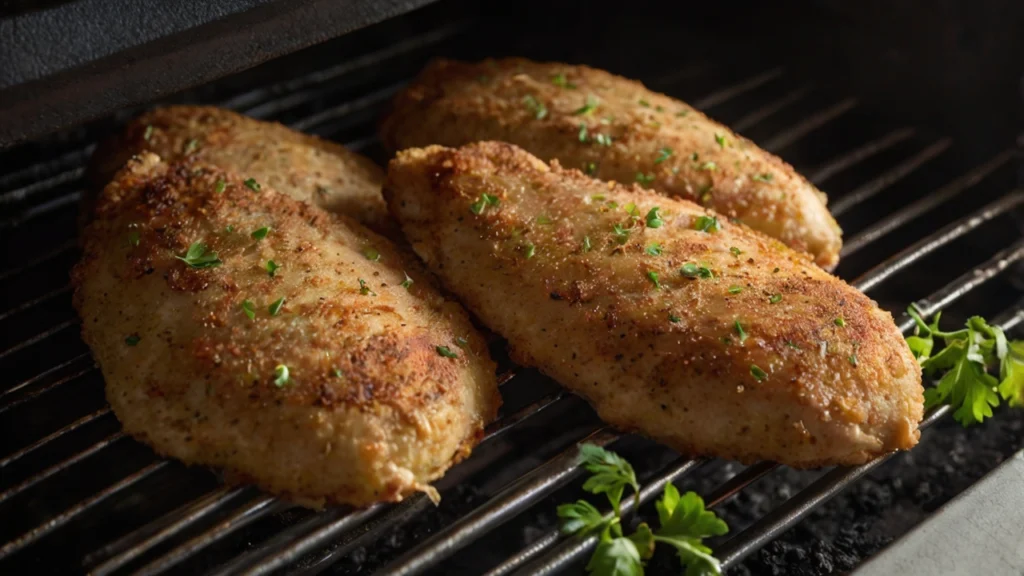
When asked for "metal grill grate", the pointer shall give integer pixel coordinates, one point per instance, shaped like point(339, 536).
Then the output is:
point(69, 477)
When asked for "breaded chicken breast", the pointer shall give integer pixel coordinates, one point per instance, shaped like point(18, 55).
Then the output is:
point(304, 167)
point(614, 129)
point(239, 328)
point(671, 320)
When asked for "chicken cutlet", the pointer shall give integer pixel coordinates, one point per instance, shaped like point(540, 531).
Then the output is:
point(239, 328)
point(304, 167)
point(613, 128)
point(670, 319)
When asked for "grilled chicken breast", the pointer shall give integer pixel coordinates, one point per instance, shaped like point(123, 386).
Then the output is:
point(614, 129)
point(319, 377)
point(669, 319)
point(304, 167)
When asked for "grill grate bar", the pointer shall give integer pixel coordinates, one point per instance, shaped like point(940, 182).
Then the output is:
point(20, 194)
point(926, 203)
point(6, 461)
point(49, 388)
point(728, 93)
point(933, 242)
point(887, 179)
point(62, 249)
point(137, 542)
point(60, 467)
point(860, 154)
point(248, 514)
point(812, 123)
point(41, 170)
point(6, 405)
point(335, 112)
point(38, 337)
point(35, 301)
point(79, 509)
point(573, 549)
point(41, 209)
point(519, 495)
point(753, 118)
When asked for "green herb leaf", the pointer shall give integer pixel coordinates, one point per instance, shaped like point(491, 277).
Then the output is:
point(611, 473)
point(540, 111)
point(644, 103)
point(792, 344)
point(684, 524)
point(708, 167)
point(580, 518)
point(132, 340)
point(197, 256)
point(840, 322)
point(663, 154)
point(691, 270)
point(253, 185)
point(653, 277)
point(644, 178)
point(621, 234)
point(673, 318)
point(707, 224)
point(364, 288)
point(735, 289)
point(281, 371)
point(740, 332)
point(220, 186)
point(229, 228)
point(616, 557)
point(461, 342)
point(544, 220)
point(191, 146)
point(766, 177)
point(735, 251)
point(654, 249)
point(133, 238)
point(775, 298)
point(275, 308)
point(682, 113)
point(643, 539)
point(603, 139)
point(586, 244)
point(757, 373)
point(1011, 375)
point(446, 352)
point(529, 250)
point(260, 233)
point(371, 253)
point(582, 133)
point(407, 282)
point(587, 108)
point(590, 168)
point(484, 201)
point(720, 139)
point(148, 133)
point(561, 80)
point(249, 308)
point(654, 218)
point(272, 268)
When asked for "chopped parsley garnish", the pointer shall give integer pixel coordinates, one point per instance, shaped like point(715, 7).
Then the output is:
point(673, 318)
point(735, 251)
point(766, 177)
point(544, 220)
point(281, 371)
point(529, 250)
point(485, 200)
point(621, 234)
point(446, 352)
point(720, 140)
point(249, 308)
point(590, 168)
point(220, 186)
point(654, 249)
point(540, 111)
point(603, 139)
point(132, 340)
point(684, 522)
point(337, 373)
point(198, 257)
point(775, 298)
point(252, 184)
point(148, 133)
point(707, 224)
point(133, 238)
point(372, 254)
point(708, 167)
point(191, 146)
point(853, 358)
point(588, 107)
point(561, 80)
point(260, 233)
point(364, 288)
point(654, 218)
point(272, 268)
point(757, 373)
point(632, 210)
point(663, 155)
point(791, 344)
point(275, 308)
point(645, 178)
point(407, 282)
point(840, 322)
point(645, 103)
point(583, 133)
point(653, 277)
point(735, 289)
point(229, 228)
point(740, 332)
point(691, 270)
point(682, 113)
point(586, 244)
point(461, 342)
point(694, 156)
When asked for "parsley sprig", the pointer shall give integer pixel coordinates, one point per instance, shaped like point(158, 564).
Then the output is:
point(964, 363)
point(684, 521)
point(199, 256)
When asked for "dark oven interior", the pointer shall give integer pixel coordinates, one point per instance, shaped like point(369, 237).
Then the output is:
point(907, 116)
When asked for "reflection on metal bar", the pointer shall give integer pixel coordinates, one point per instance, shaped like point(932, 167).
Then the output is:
point(6, 461)
point(753, 118)
point(858, 155)
point(888, 178)
point(20, 194)
point(41, 209)
point(341, 110)
point(812, 123)
point(725, 94)
point(64, 248)
point(926, 203)
point(518, 496)
point(64, 290)
point(5, 403)
point(46, 168)
point(78, 509)
point(139, 541)
point(38, 337)
point(59, 467)
point(932, 242)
